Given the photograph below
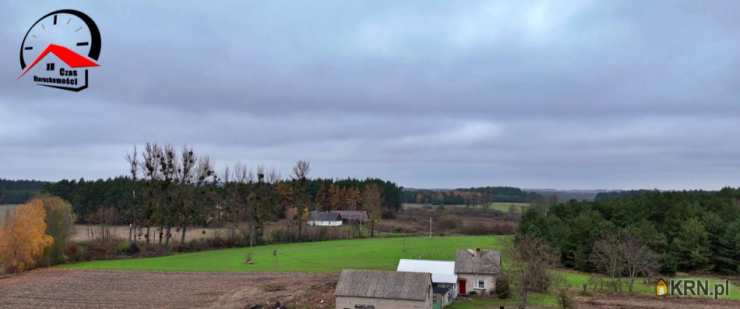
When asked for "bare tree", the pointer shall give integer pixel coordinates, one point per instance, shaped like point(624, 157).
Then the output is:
point(606, 255)
point(532, 260)
point(193, 176)
point(619, 254)
point(133, 161)
point(151, 159)
point(638, 258)
point(302, 198)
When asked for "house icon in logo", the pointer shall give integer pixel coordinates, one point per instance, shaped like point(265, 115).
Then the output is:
point(63, 79)
point(661, 288)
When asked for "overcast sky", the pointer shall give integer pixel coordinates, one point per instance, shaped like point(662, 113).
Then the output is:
point(536, 94)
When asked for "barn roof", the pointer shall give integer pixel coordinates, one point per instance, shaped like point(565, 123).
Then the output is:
point(384, 284)
point(323, 216)
point(477, 261)
point(356, 215)
point(442, 271)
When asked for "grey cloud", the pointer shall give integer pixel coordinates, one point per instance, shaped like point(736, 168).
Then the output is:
point(573, 94)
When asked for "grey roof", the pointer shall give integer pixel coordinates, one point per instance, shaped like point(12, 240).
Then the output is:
point(353, 215)
point(441, 289)
point(384, 284)
point(323, 216)
point(470, 261)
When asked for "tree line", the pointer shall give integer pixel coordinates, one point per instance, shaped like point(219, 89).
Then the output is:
point(19, 191)
point(672, 231)
point(167, 191)
point(469, 196)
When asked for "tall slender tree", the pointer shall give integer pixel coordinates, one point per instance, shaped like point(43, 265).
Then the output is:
point(302, 198)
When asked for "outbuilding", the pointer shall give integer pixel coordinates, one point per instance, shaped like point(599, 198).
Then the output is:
point(444, 280)
point(352, 216)
point(372, 289)
point(324, 218)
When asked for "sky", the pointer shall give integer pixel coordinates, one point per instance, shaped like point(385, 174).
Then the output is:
point(428, 94)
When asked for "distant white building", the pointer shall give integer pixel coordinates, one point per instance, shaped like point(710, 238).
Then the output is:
point(324, 218)
point(444, 280)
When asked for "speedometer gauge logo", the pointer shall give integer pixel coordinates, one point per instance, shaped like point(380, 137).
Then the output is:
point(59, 48)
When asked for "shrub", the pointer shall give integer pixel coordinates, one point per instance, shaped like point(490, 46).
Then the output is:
point(449, 222)
point(565, 301)
point(503, 228)
point(502, 287)
point(133, 249)
point(74, 253)
point(59, 225)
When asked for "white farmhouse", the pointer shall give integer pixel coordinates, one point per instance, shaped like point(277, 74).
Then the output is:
point(477, 270)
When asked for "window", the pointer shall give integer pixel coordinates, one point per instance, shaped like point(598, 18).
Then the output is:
point(481, 284)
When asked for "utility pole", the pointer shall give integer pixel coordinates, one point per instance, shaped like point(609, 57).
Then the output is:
point(430, 227)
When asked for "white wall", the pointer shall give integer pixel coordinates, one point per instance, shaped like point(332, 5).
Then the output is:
point(325, 223)
point(471, 283)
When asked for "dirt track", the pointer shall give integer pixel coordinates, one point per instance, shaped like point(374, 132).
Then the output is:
point(55, 288)
point(619, 302)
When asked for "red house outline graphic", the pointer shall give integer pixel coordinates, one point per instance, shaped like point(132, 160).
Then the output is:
point(68, 56)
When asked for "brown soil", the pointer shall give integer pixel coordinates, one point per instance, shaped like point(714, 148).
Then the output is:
point(59, 288)
point(619, 302)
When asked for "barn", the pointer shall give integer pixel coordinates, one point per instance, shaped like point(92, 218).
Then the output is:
point(352, 216)
point(337, 217)
point(324, 218)
point(372, 289)
point(444, 280)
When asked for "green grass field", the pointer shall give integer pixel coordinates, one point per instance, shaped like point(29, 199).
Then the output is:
point(505, 207)
point(499, 206)
point(333, 256)
point(325, 256)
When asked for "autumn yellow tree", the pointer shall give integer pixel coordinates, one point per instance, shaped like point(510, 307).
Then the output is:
point(23, 238)
point(372, 202)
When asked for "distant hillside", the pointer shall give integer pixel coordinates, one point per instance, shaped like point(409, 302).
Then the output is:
point(468, 196)
point(602, 196)
point(567, 195)
point(19, 191)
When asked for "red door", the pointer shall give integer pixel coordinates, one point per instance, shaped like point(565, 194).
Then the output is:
point(461, 287)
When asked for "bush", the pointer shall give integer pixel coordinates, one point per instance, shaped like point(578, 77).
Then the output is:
point(503, 228)
point(99, 250)
point(565, 301)
point(449, 222)
point(59, 225)
point(502, 287)
point(151, 250)
point(74, 253)
point(133, 249)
